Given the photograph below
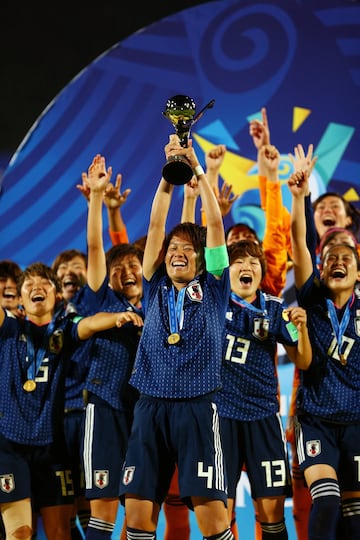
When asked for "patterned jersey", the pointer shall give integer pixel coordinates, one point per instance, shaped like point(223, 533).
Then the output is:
point(330, 389)
point(31, 417)
point(78, 364)
point(249, 375)
point(113, 351)
point(192, 366)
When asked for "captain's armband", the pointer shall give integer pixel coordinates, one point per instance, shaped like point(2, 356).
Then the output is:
point(216, 259)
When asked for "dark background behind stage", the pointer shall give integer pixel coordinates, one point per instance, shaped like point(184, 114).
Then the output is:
point(43, 45)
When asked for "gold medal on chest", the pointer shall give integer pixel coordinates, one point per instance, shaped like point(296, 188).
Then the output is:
point(29, 385)
point(174, 338)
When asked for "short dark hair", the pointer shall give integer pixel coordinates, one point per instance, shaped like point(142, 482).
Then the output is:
point(352, 248)
point(38, 269)
point(9, 269)
point(247, 248)
point(196, 235)
point(119, 251)
point(66, 256)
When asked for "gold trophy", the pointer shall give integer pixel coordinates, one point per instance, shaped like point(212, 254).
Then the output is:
point(180, 110)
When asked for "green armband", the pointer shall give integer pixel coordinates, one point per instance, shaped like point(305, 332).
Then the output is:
point(216, 259)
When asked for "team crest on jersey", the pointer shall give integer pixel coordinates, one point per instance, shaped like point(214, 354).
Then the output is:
point(194, 291)
point(261, 328)
point(128, 475)
point(56, 341)
point(313, 448)
point(101, 479)
point(357, 326)
point(7, 483)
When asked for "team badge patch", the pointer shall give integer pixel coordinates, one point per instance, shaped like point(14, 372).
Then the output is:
point(313, 448)
point(56, 341)
point(128, 475)
point(194, 291)
point(101, 479)
point(261, 328)
point(7, 483)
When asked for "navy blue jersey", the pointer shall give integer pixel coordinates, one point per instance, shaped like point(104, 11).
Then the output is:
point(191, 367)
point(32, 417)
point(249, 376)
point(76, 375)
point(112, 351)
point(330, 388)
point(78, 364)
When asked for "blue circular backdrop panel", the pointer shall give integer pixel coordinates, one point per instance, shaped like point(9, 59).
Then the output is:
point(299, 59)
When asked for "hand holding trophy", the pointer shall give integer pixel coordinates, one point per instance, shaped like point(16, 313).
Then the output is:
point(180, 110)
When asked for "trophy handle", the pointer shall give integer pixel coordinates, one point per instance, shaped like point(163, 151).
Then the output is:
point(201, 113)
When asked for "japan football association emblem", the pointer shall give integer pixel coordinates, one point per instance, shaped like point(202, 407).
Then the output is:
point(261, 328)
point(101, 479)
point(194, 291)
point(128, 475)
point(56, 341)
point(7, 483)
point(313, 448)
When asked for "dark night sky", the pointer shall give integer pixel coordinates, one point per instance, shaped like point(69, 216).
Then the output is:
point(44, 45)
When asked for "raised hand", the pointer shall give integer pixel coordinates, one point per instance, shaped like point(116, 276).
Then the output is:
point(302, 161)
point(259, 130)
point(113, 198)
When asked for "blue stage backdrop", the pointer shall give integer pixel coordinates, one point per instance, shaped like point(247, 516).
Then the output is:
point(298, 58)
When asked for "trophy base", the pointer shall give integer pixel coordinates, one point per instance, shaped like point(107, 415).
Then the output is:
point(177, 171)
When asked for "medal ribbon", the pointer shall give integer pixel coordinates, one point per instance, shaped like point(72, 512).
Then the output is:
point(33, 360)
point(176, 309)
point(339, 328)
point(243, 303)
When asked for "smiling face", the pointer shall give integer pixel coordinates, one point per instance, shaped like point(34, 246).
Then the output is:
point(72, 275)
point(330, 212)
point(181, 261)
point(245, 276)
point(247, 268)
point(9, 296)
point(39, 291)
point(340, 269)
point(38, 296)
point(125, 276)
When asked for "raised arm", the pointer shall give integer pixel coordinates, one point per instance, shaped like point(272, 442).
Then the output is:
point(191, 195)
point(114, 199)
point(303, 266)
point(260, 133)
point(154, 246)
point(98, 177)
point(214, 158)
point(306, 161)
point(275, 242)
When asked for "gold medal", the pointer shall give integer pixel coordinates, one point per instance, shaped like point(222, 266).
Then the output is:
point(285, 315)
point(29, 385)
point(174, 338)
point(343, 360)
